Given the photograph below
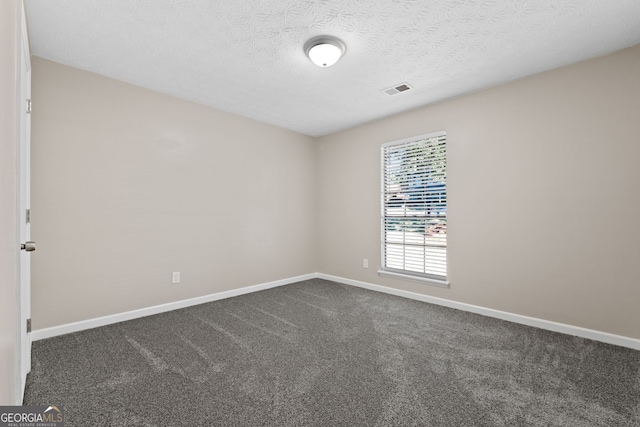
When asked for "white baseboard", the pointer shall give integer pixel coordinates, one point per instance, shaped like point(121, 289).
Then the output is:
point(605, 337)
point(68, 328)
point(511, 317)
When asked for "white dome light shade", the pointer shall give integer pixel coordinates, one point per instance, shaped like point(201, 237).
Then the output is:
point(325, 55)
point(324, 51)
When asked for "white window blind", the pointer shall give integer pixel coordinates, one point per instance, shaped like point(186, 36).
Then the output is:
point(414, 208)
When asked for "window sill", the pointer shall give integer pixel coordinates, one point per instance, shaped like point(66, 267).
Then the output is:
point(426, 280)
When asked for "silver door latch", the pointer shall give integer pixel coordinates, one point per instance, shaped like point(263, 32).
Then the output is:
point(28, 246)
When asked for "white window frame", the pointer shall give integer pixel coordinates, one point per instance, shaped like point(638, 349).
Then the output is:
point(435, 277)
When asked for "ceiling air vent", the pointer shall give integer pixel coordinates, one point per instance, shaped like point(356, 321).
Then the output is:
point(402, 87)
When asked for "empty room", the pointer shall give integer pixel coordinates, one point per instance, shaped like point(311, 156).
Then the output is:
point(320, 213)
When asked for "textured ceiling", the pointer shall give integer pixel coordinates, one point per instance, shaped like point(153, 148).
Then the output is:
point(246, 56)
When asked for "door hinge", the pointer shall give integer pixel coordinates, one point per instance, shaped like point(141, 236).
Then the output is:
point(28, 216)
point(28, 106)
point(29, 325)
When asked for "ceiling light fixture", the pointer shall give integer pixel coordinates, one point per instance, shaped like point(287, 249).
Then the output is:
point(324, 51)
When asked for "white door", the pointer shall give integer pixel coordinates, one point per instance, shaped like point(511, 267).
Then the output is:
point(24, 205)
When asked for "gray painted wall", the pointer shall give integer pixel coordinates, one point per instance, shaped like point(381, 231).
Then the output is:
point(543, 195)
point(130, 185)
point(9, 39)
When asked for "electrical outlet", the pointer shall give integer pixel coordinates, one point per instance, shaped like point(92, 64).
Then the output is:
point(175, 277)
point(365, 263)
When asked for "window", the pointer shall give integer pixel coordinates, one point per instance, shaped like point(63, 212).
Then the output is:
point(414, 209)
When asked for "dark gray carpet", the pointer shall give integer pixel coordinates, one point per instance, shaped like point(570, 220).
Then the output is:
point(318, 353)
